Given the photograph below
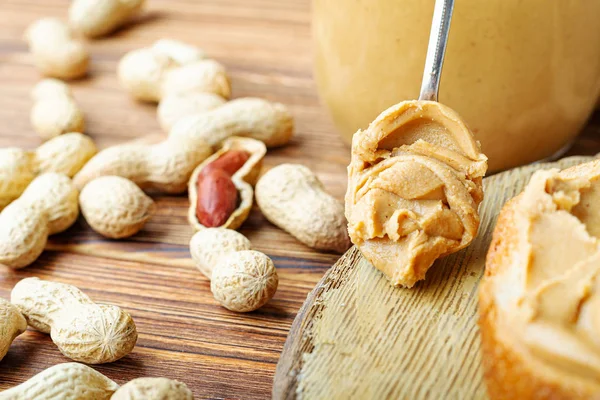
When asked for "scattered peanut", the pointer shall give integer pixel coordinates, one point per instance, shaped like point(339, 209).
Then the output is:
point(115, 207)
point(256, 118)
point(153, 389)
point(12, 324)
point(16, 172)
point(74, 381)
point(293, 198)
point(96, 18)
point(209, 245)
point(204, 76)
point(65, 154)
point(56, 53)
point(221, 188)
point(142, 71)
point(83, 330)
point(165, 166)
point(47, 206)
point(55, 111)
point(174, 107)
point(244, 281)
point(171, 67)
point(178, 52)
point(68, 381)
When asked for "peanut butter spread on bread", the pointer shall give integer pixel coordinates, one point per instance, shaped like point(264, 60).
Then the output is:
point(414, 188)
point(548, 288)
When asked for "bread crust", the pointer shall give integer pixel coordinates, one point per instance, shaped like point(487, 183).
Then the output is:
point(508, 372)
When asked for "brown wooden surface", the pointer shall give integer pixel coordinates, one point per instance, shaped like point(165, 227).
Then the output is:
point(265, 44)
point(356, 336)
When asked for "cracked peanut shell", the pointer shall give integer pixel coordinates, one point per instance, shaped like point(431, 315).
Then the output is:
point(244, 180)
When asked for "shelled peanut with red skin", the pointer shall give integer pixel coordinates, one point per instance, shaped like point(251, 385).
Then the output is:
point(217, 195)
point(221, 188)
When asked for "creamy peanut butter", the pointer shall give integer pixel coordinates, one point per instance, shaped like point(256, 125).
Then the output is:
point(414, 186)
point(550, 293)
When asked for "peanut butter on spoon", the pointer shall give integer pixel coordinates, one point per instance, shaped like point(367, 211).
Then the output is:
point(415, 178)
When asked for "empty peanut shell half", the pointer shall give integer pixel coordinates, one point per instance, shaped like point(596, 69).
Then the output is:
point(221, 188)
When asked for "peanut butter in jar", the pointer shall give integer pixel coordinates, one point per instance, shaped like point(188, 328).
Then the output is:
point(525, 76)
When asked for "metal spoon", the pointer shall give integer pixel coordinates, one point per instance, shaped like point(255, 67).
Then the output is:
point(442, 14)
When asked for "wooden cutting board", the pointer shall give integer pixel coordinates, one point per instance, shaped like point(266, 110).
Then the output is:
point(358, 337)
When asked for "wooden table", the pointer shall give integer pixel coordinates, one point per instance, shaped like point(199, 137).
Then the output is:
point(184, 334)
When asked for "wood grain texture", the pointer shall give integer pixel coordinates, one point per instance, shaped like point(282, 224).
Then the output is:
point(356, 336)
point(184, 334)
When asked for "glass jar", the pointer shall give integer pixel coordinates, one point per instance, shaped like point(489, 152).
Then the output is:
point(525, 75)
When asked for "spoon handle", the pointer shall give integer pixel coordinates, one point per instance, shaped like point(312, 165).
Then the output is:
point(442, 14)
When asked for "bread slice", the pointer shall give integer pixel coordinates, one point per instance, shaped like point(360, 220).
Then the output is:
point(511, 370)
